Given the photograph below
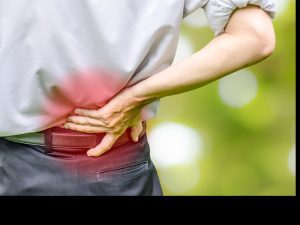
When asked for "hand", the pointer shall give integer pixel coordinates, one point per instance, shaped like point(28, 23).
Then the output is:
point(113, 119)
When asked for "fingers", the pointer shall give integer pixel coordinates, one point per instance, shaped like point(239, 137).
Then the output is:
point(85, 128)
point(114, 125)
point(87, 112)
point(82, 120)
point(107, 142)
point(136, 130)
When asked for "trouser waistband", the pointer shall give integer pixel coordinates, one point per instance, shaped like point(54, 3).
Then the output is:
point(62, 139)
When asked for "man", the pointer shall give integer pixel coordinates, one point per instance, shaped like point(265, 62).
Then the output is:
point(80, 78)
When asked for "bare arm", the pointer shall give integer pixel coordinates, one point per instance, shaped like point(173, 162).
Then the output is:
point(248, 38)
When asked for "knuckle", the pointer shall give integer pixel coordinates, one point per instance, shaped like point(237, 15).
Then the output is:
point(102, 121)
point(105, 117)
point(98, 115)
point(84, 120)
point(111, 126)
point(87, 130)
point(106, 123)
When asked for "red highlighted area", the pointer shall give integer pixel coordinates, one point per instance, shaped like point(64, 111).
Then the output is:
point(90, 89)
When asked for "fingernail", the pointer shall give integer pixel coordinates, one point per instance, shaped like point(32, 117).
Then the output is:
point(66, 126)
point(89, 153)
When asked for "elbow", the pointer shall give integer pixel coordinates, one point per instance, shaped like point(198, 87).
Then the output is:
point(267, 45)
point(255, 28)
point(264, 42)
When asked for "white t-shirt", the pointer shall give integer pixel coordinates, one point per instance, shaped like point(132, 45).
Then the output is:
point(56, 55)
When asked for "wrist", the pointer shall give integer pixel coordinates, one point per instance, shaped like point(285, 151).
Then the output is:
point(137, 97)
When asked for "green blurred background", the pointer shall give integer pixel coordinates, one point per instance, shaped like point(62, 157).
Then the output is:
point(235, 136)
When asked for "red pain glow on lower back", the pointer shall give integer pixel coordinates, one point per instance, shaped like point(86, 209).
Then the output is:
point(90, 89)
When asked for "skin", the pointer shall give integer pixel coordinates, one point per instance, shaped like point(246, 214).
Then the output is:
point(248, 38)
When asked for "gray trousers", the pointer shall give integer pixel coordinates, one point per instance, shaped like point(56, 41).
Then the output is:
point(31, 170)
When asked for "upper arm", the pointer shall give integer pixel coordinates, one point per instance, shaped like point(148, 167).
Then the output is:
point(220, 12)
point(251, 23)
point(254, 25)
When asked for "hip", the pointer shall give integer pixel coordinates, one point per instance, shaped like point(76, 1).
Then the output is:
point(125, 169)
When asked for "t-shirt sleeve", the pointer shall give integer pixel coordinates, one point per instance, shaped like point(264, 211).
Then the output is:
point(218, 12)
point(192, 5)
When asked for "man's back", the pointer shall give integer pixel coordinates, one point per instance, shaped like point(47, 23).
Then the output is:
point(61, 54)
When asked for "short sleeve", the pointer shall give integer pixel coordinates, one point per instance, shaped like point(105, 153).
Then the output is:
point(192, 5)
point(218, 12)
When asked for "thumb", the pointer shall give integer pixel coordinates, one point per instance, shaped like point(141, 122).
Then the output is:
point(106, 143)
point(136, 130)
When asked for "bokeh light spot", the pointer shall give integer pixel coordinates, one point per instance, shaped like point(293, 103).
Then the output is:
point(174, 144)
point(238, 89)
point(179, 180)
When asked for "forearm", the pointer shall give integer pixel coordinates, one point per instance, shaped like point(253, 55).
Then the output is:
point(231, 51)
point(221, 56)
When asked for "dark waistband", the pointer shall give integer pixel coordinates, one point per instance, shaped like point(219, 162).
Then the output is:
point(62, 139)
